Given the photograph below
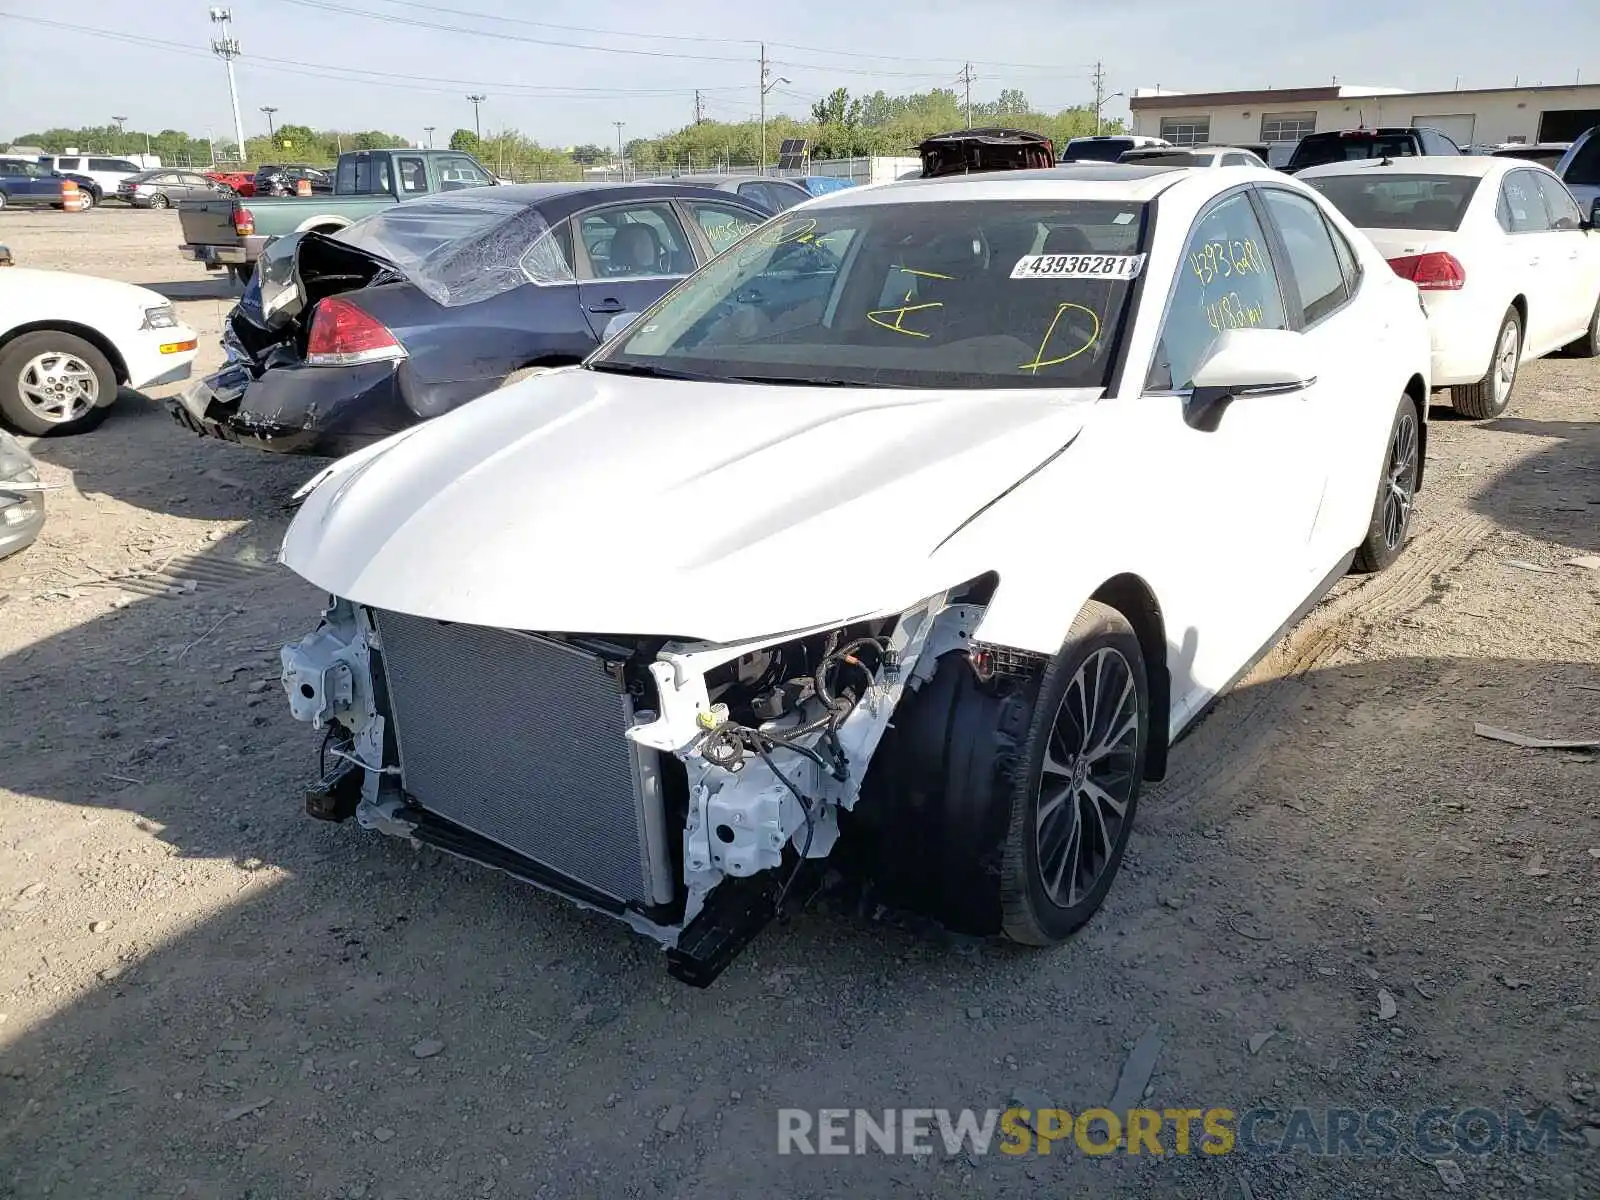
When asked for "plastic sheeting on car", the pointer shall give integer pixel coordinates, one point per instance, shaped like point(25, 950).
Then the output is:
point(463, 249)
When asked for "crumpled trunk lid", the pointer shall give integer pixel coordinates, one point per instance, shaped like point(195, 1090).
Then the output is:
point(294, 272)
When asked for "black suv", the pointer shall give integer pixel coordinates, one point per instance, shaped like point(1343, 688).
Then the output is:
point(1347, 145)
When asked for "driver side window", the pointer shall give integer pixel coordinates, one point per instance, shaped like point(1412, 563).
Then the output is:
point(1226, 280)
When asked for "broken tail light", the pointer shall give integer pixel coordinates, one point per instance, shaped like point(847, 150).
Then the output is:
point(343, 335)
point(1437, 271)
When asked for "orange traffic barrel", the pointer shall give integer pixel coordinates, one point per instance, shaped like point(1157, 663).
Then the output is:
point(72, 197)
point(302, 187)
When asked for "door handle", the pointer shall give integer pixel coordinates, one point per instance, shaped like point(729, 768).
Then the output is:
point(608, 305)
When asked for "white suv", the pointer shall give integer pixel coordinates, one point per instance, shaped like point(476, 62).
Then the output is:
point(107, 172)
point(1108, 147)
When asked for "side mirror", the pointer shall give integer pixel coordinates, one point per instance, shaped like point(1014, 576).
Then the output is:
point(618, 325)
point(1248, 362)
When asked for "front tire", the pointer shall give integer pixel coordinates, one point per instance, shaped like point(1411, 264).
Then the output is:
point(1077, 789)
point(1397, 491)
point(1491, 395)
point(53, 384)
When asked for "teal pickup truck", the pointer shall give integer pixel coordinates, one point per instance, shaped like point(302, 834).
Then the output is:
point(229, 232)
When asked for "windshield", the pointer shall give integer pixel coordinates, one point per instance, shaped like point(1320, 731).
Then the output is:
point(462, 251)
point(1315, 151)
point(1388, 201)
point(1100, 150)
point(967, 294)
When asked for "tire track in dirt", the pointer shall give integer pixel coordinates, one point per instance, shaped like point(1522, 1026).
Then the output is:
point(1231, 742)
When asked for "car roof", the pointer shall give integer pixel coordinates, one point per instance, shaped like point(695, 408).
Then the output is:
point(1086, 181)
point(1477, 165)
point(718, 180)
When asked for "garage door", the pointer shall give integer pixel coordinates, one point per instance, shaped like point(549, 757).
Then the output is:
point(1458, 127)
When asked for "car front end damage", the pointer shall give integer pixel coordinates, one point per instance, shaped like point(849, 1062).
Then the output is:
point(687, 788)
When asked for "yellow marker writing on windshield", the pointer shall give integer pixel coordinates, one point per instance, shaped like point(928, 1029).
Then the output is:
point(878, 317)
point(1039, 360)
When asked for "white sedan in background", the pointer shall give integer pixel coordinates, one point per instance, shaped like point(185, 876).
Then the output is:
point(920, 521)
point(1507, 263)
point(68, 341)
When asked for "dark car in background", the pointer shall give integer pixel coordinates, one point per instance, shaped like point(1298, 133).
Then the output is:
point(966, 150)
point(342, 340)
point(1350, 145)
point(166, 186)
point(28, 185)
point(765, 192)
point(275, 180)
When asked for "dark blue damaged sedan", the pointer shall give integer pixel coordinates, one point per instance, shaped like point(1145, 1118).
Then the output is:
point(341, 340)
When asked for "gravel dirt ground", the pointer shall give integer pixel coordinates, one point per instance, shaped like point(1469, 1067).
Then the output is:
point(205, 994)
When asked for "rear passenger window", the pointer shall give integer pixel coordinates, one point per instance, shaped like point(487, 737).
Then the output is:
point(413, 178)
point(1226, 280)
point(1523, 208)
point(1313, 262)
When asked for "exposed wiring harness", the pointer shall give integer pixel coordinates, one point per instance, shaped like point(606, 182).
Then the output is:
point(727, 744)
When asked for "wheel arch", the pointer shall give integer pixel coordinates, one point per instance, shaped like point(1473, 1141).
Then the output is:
point(89, 334)
point(1131, 596)
point(1417, 389)
point(325, 223)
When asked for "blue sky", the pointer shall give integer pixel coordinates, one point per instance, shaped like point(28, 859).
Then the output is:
point(419, 74)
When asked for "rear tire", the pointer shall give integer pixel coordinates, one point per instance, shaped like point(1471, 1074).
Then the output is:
point(1397, 491)
point(159, 200)
point(1491, 395)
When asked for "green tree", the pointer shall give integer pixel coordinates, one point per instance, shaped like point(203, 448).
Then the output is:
point(588, 154)
point(464, 139)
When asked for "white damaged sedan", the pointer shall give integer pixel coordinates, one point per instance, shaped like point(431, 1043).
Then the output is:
point(916, 526)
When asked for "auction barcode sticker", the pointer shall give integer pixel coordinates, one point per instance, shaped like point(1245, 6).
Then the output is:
point(1078, 266)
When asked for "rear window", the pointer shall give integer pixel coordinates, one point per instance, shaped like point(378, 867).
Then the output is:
point(1316, 150)
point(462, 253)
point(1390, 201)
point(1099, 150)
point(971, 294)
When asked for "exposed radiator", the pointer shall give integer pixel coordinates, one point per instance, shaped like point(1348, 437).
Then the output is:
point(520, 739)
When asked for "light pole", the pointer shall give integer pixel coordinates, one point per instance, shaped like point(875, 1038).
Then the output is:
point(428, 129)
point(272, 129)
point(226, 48)
point(477, 98)
point(122, 140)
point(622, 162)
point(767, 84)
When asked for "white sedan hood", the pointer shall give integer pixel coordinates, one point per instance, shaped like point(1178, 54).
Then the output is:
point(587, 502)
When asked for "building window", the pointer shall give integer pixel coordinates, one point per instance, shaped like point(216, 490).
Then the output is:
point(1287, 127)
point(1186, 131)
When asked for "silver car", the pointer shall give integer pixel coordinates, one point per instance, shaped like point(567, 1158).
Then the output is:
point(21, 497)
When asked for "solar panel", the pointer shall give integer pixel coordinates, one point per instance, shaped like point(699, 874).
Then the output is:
point(792, 154)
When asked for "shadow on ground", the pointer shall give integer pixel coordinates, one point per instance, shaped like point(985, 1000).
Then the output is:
point(1553, 495)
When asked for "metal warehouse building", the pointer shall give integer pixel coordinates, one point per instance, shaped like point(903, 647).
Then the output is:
point(1481, 116)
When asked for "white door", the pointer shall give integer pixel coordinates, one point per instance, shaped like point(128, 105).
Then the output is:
point(1239, 497)
point(1575, 254)
point(1352, 405)
point(1538, 254)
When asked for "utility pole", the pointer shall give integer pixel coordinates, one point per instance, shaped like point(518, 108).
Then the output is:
point(477, 98)
point(622, 162)
point(226, 48)
point(767, 84)
point(699, 112)
point(122, 142)
point(966, 78)
point(1099, 95)
point(428, 129)
point(272, 129)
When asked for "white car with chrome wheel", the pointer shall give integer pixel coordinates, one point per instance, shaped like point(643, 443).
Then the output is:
point(1507, 263)
point(67, 342)
point(918, 524)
